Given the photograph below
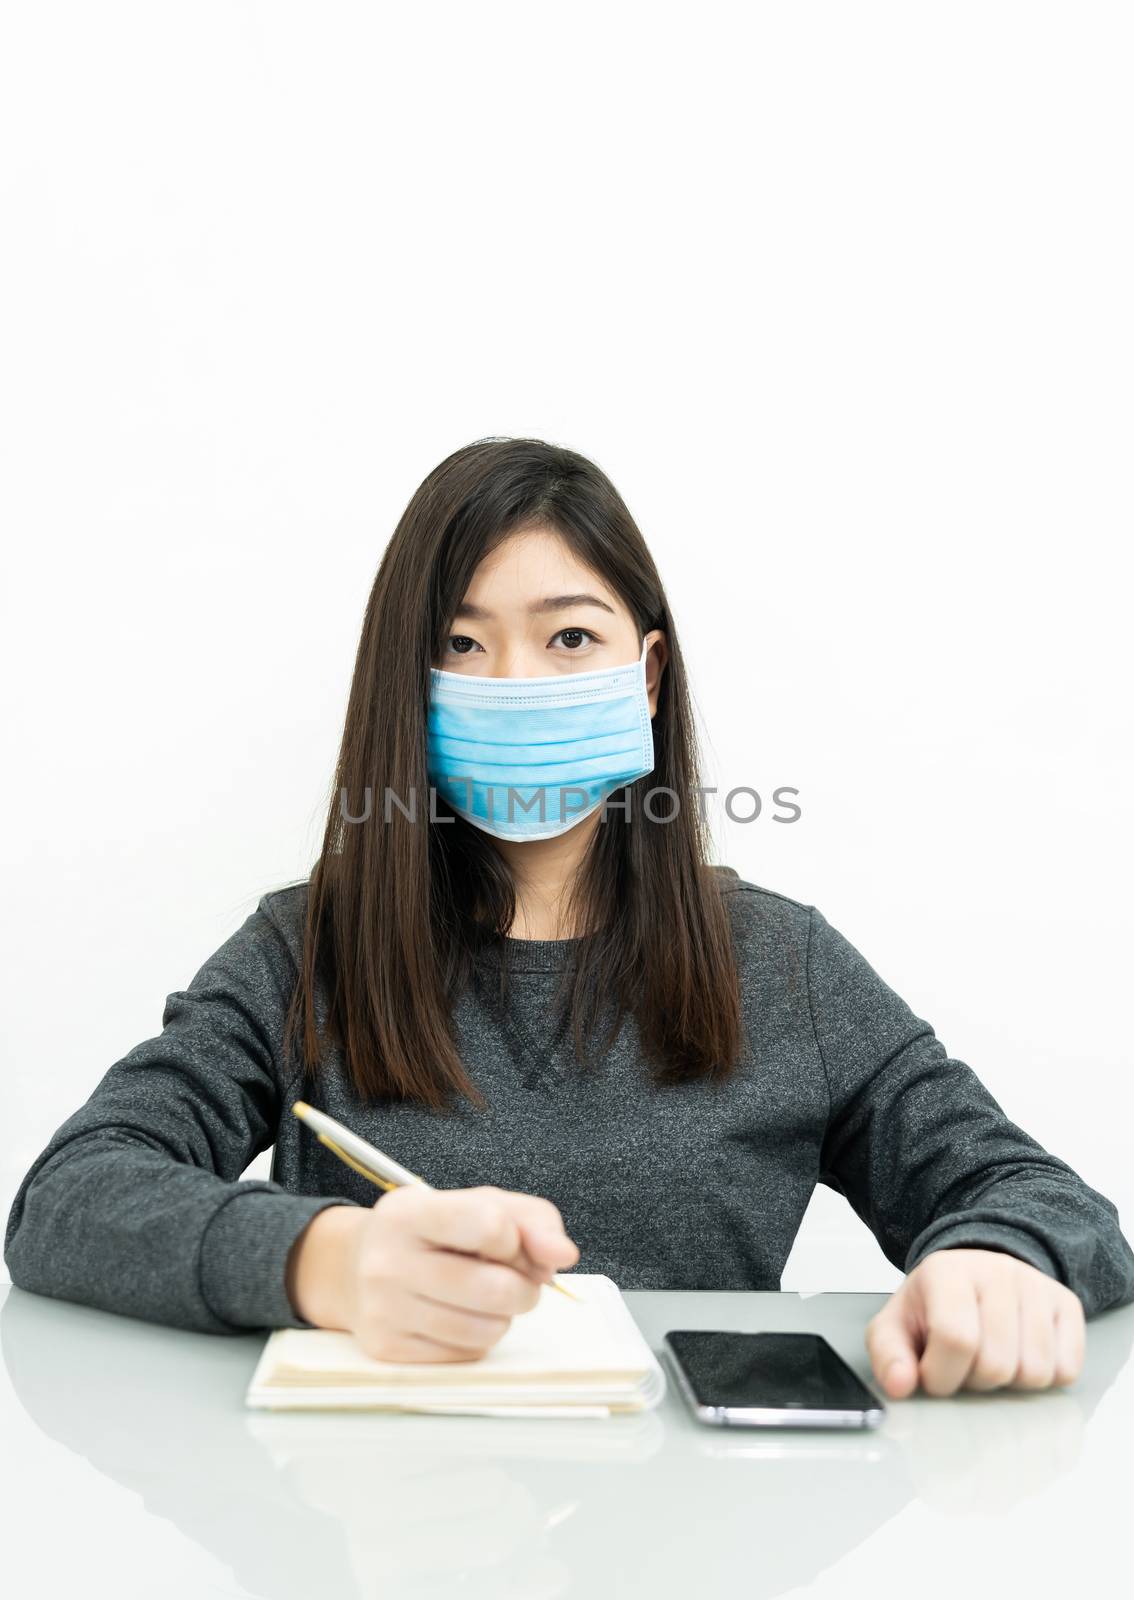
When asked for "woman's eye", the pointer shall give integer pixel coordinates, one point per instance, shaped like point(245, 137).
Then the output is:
point(461, 644)
point(572, 637)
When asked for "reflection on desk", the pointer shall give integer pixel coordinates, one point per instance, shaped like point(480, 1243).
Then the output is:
point(375, 1505)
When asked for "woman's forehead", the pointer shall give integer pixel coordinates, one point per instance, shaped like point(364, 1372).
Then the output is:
point(529, 571)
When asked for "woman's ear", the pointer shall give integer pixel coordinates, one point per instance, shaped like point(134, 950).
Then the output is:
point(657, 654)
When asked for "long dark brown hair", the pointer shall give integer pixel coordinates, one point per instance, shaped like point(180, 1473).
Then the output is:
point(397, 909)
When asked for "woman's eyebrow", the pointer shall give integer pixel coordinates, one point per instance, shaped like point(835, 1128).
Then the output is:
point(554, 602)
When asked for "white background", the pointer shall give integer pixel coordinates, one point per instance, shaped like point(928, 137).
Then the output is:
point(839, 296)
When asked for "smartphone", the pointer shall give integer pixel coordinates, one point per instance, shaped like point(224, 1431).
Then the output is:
point(768, 1380)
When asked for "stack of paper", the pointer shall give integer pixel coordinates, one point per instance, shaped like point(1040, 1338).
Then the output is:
point(560, 1359)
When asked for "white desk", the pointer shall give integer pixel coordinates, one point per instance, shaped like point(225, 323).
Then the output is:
point(140, 1474)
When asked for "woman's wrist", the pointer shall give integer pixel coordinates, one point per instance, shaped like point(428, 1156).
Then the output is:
point(320, 1264)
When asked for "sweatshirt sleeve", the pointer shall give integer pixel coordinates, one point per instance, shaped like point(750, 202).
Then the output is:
point(136, 1204)
point(926, 1156)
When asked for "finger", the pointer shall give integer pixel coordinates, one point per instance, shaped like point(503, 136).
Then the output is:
point(473, 1220)
point(1037, 1338)
point(892, 1349)
point(472, 1331)
point(544, 1238)
point(952, 1320)
point(1070, 1339)
point(385, 1345)
point(998, 1355)
point(469, 1283)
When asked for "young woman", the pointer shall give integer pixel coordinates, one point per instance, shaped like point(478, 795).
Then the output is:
point(514, 970)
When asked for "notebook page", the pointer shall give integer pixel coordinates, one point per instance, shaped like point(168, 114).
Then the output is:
point(556, 1339)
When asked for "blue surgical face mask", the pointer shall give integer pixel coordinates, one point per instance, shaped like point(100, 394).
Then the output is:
point(528, 758)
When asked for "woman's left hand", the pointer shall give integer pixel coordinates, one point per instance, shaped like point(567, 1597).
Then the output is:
point(976, 1319)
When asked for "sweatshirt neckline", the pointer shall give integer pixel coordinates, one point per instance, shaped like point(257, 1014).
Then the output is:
point(530, 955)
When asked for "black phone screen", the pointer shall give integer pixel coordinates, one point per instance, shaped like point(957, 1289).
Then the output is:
point(779, 1370)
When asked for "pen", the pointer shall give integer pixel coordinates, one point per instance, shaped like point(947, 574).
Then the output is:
point(370, 1162)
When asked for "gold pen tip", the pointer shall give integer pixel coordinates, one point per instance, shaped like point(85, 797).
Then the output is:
point(301, 1108)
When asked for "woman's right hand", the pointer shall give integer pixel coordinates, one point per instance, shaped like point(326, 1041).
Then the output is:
point(428, 1274)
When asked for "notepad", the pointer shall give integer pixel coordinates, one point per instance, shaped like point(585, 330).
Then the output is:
point(584, 1359)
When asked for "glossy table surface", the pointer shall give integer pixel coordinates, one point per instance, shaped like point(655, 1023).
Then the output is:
point(131, 1468)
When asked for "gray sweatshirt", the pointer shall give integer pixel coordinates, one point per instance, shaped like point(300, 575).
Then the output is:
point(137, 1204)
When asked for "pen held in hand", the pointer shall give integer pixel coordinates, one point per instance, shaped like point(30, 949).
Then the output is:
point(371, 1163)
